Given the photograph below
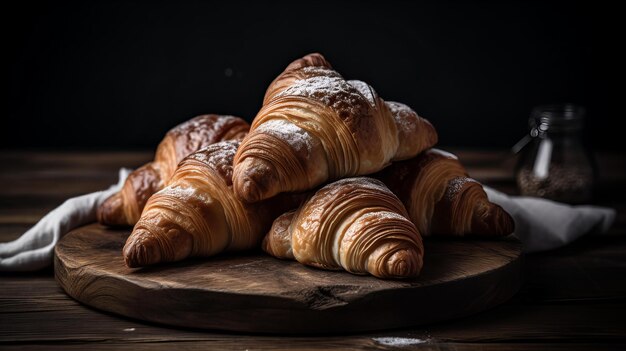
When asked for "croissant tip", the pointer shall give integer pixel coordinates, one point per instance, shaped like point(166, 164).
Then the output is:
point(507, 222)
point(247, 190)
point(401, 264)
point(249, 182)
point(496, 222)
point(142, 249)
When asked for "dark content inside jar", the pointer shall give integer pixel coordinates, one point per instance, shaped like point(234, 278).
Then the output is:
point(556, 164)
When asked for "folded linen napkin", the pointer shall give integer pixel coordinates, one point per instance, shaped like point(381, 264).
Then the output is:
point(543, 224)
point(539, 223)
point(34, 250)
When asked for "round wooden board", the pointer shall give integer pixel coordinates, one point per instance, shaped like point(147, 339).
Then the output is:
point(254, 292)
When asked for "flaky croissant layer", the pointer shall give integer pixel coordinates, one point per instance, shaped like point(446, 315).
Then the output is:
point(442, 199)
point(197, 213)
point(315, 126)
point(124, 207)
point(355, 224)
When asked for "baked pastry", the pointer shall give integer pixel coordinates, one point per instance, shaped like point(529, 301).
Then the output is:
point(316, 127)
point(442, 199)
point(356, 224)
point(197, 213)
point(124, 207)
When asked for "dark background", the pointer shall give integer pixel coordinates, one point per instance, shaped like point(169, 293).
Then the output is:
point(119, 74)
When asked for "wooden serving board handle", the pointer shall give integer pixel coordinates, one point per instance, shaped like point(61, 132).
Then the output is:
point(254, 292)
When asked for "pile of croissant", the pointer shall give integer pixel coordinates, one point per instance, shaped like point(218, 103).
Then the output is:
point(328, 174)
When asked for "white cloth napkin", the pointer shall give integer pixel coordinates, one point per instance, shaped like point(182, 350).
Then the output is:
point(540, 224)
point(543, 224)
point(34, 250)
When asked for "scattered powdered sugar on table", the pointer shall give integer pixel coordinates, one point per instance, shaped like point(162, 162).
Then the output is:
point(398, 341)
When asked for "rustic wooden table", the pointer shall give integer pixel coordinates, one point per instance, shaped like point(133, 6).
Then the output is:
point(572, 298)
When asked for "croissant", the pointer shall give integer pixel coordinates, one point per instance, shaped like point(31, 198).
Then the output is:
point(356, 224)
point(197, 213)
point(124, 207)
point(315, 126)
point(441, 199)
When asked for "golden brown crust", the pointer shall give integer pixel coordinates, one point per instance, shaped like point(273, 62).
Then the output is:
point(124, 208)
point(315, 126)
point(410, 124)
point(313, 59)
point(465, 210)
point(277, 242)
point(294, 72)
point(355, 224)
point(441, 198)
point(204, 130)
point(197, 213)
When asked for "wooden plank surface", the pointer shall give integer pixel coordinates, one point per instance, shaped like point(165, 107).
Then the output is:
point(573, 298)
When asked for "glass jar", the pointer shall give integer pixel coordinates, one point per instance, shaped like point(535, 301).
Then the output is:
point(555, 163)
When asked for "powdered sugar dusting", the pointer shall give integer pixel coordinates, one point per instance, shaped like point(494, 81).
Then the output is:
point(311, 71)
point(202, 131)
point(331, 90)
point(218, 156)
point(298, 138)
point(455, 185)
point(365, 89)
point(222, 152)
point(406, 119)
point(213, 122)
point(183, 193)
